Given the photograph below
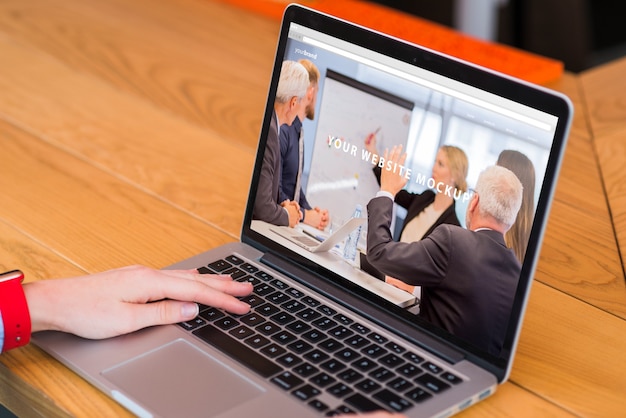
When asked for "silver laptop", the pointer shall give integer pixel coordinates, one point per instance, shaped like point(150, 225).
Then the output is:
point(317, 241)
point(324, 336)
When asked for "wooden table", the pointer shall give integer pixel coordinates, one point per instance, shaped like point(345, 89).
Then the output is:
point(128, 131)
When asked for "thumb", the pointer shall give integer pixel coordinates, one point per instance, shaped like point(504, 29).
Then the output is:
point(173, 311)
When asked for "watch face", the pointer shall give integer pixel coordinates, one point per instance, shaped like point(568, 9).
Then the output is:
point(11, 275)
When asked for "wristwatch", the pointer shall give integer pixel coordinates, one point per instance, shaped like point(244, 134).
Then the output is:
point(14, 309)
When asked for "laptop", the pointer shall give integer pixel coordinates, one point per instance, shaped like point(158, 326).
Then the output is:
point(316, 241)
point(323, 336)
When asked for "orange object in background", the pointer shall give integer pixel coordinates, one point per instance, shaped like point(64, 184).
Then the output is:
point(508, 60)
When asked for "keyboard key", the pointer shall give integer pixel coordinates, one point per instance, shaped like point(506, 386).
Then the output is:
point(398, 349)
point(263, 289)
point(322, 380)
point(212, 314)
point(412, 357)
point(330, 345)
point(378, 338)
point(350, 376)
point(205, 270)
point(267, 309)
point(359, 328)
point(226, 323)
point(193, 324)
point(252, 300)
point(392, 401)
point(362, 403)
point(257, 341)
point(347, 355)
point(273, 350)
point(418, 395)
point(252, 319)
point(328, 311)
point(249, 268)
point(400, 384)
point(308, 315)
point(293, 306)
point(313, 336)
point(282, 318)
point(283, 337)
point(342, 319)
point(233, 259)
point(318, 405)
point(279, 284)
point(268, 328)
point(316, 356)
point(264, 276)
point(241, 332)
point(433, 368)
point(391, 360)
point(289, 360)
point(237, 350)
point(294, 293)
point(356, 341)
point(449, 377)
point(305, 369)
point(333, 366)
point(220, 265)
point(409, 370)
point(325, 324)
point(373, 351)
point(278, 298)
point(364, 364)
point(287, 380)
point(235, 273)
point(298, 327)
point(431, 383)
point(306, 392)
point(381, 374)
point(311, 301)
point(339, 390)
point(367, 386)
point(340, 332)
point(300, 347)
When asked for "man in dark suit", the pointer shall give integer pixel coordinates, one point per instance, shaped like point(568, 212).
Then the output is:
point(468, 276)
point(292, 87)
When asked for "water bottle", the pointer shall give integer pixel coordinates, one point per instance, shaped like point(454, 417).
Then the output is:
point(350, 249)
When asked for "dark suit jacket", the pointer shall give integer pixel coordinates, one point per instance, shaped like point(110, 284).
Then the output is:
point(290, 157)
point(468, 278)
point(266, 204)
point(415, 203)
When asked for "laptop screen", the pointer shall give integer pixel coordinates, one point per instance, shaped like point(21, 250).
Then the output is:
point(368, 94)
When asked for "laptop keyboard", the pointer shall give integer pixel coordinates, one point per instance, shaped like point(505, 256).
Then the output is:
point(324, 358)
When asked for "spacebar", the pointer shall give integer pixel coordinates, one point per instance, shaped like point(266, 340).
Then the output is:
point(238, 351)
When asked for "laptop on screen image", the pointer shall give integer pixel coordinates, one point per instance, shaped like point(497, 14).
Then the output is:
point(325, 336)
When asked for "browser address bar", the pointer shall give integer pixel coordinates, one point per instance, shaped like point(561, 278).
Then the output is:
point(429, 84)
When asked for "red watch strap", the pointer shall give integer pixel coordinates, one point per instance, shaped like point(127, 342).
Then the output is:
point(14, 308)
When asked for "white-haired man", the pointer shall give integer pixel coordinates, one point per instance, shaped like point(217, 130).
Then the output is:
point(292, 88)
point(468, 276)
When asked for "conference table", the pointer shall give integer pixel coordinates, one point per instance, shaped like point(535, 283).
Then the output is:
point(128, 131)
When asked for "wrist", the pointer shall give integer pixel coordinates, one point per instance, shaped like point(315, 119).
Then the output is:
point(15, 313)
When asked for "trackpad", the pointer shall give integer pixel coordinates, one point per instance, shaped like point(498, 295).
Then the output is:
point(177, 379)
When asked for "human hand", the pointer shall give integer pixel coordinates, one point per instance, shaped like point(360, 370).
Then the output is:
point(393, 181)
point(124, 300)
point(293, 210)
point(399, 284)
point(317, 218)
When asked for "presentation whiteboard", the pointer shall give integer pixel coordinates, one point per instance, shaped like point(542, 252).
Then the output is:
point(339, 177)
